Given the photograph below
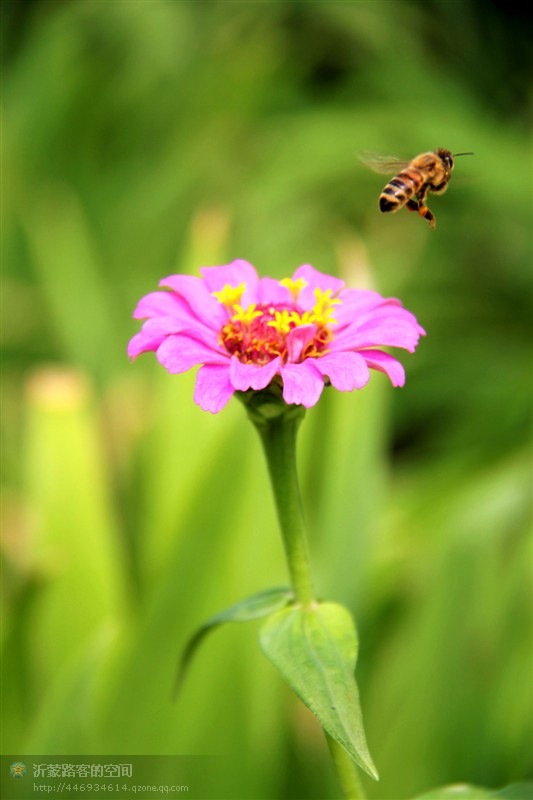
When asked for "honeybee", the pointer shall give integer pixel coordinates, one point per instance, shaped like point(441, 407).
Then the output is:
point(415, 179)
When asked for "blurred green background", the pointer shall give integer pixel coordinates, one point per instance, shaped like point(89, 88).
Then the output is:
point(143, 138)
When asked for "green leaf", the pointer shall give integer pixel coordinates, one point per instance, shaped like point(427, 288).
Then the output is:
point(315, 649)
point(517, 791)
point(456, 792)
point(258, 605)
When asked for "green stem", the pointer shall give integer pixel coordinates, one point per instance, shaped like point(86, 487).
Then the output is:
point(278, 425)
point(346, 771)
point(278, 437)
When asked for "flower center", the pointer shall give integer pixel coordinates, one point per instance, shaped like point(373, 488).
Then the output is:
point(258, 334)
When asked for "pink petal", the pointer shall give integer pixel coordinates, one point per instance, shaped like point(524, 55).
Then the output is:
point(143, 342)
point(239, 271)
point(252, 376)
point(155, 330)
point(390, 327)
point(213, 389)
point(388, 310)
point(356, 302)
point(302, 383)
point(164, 325)
point(198, 298)
point(346, 371)
point(388, 333)
point(270, 290)
point(387, 364)
point(297, 340)
point(178, 353)
point(160, 304)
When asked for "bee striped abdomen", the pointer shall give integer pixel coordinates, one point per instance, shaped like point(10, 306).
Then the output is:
point(400, 189)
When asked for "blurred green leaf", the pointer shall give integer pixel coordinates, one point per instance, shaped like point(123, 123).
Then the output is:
point(517, 791)
point(75, 600)
point(460, 791)
point(73, 279)
point(315, 649)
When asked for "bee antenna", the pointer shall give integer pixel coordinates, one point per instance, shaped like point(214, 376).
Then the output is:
point(462, 154)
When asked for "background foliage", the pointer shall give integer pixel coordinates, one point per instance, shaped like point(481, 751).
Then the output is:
point(144, 138)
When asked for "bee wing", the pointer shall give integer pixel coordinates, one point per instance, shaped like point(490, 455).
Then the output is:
point(385, 165)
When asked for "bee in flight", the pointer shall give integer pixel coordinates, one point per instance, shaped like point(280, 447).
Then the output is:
point(415, 179)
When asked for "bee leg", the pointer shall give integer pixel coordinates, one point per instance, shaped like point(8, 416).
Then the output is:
point(427, 214)
point(420, 208)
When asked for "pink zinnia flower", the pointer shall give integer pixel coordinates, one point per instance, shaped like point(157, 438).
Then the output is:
point(245, 331)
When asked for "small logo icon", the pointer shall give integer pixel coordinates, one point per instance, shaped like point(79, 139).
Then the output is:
point(17, 769)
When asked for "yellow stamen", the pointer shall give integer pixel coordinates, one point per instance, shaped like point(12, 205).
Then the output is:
point(303, 319)
point(323, 308)
point(230, 296)
point(282, 321)
point(294, 287)
point(245, 314)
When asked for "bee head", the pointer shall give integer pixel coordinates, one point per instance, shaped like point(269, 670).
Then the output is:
point(446, 158)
